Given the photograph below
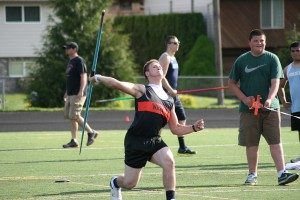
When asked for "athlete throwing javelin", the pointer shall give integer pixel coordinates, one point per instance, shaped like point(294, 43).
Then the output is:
point(154, 108)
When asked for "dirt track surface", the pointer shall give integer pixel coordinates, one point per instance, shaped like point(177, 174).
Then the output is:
point(115, 120)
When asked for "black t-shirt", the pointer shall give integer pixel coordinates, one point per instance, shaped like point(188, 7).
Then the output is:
point(75, 68)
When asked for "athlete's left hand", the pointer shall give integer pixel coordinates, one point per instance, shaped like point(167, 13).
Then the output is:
point(199, 125)
point(268, 103)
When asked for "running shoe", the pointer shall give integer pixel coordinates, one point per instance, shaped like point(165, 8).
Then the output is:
point(71, 144)
point(115, 193)
point(91, 138)
point(251, 179)
point(287, 177)
point(185, 152)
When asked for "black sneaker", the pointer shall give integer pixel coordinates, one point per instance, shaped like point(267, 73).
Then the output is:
point(295, 160)
point(185, 152)
point(287, 177)
point(91, 138)
point(71, 144)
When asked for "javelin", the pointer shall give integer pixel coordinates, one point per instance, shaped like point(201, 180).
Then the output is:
point(287, 114)
point(202, 90)
point(89, 94)
point(179, 92)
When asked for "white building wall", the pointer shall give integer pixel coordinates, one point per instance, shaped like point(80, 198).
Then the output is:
point(22, 39)
point(153, 7)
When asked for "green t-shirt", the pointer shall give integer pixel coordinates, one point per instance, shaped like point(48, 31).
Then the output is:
point(255, 74)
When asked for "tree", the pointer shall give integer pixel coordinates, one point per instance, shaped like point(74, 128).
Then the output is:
point(200, 60)
point(78, 20)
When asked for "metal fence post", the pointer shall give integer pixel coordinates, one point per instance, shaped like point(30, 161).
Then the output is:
point(3, 95)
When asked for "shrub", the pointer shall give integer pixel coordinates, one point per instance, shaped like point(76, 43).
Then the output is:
point(187, 101)
point(200, 60)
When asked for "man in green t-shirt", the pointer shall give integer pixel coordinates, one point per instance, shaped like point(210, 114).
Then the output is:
point(258, 72)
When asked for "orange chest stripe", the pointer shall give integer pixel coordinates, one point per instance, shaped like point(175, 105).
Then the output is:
point(155, 108)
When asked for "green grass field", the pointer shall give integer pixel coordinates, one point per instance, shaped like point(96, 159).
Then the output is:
point(31, 162)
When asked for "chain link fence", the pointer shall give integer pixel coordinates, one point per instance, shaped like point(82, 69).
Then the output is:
point(2, 99)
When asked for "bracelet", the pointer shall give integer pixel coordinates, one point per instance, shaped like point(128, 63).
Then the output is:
point(97, 77)
point(193, 126)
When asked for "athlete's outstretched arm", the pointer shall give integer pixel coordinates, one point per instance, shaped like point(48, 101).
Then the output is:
point(179, 129)
point(136, 90)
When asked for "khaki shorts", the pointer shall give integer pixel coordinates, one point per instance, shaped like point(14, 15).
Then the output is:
point(266, 123)
point(73, 107)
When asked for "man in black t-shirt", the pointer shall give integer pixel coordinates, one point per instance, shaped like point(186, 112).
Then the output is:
point(75, 96)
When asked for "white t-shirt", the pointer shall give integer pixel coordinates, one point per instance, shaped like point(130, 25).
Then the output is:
point(158, 89)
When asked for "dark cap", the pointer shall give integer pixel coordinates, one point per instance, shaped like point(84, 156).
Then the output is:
point(71, 45)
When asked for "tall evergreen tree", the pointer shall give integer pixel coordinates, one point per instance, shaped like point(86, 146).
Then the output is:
point(78, 20)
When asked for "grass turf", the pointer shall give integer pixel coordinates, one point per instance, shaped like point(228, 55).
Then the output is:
point(31, 162)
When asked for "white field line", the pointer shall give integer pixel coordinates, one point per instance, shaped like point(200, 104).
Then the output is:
point(110, 175)
point(181, 191)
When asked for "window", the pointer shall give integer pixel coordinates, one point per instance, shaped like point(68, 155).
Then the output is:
point(22, 14)
point(272, 14)
point(20, 68)
point(125, 4)
point(32, 14)
point(14, 14)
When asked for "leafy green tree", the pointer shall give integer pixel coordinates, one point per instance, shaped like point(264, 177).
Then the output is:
point(148, 33)
point(200, 60)
point(78, 20)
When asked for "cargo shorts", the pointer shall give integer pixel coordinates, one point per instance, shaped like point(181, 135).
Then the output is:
point(266, 124)
point(73, 106)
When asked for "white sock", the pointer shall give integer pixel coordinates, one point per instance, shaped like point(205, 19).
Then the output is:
point(281, 171)
point(75, 140)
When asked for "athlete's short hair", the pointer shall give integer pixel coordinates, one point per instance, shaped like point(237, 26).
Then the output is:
point(294, 44)
point(256, 32)
point(146, 66)
point(168, 39)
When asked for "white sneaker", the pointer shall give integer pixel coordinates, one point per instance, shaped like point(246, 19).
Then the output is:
point(251, 179)
point(115, 193)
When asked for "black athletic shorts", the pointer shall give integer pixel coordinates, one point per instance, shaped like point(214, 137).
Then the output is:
point(139, 150)
point(179, 110)
point(295, 122)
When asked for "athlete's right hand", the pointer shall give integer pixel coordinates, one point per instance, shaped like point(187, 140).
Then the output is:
point(248, 101)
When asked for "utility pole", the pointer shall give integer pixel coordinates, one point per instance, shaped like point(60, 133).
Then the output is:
point(218, 49)
point(192, 6)
point(295, 32)
point(171, 6)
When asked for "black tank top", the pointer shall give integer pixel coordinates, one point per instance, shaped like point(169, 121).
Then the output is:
point(151, 114)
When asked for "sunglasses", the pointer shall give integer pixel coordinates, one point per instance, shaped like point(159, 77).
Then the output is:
point(176, 43)
point(293, 51)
